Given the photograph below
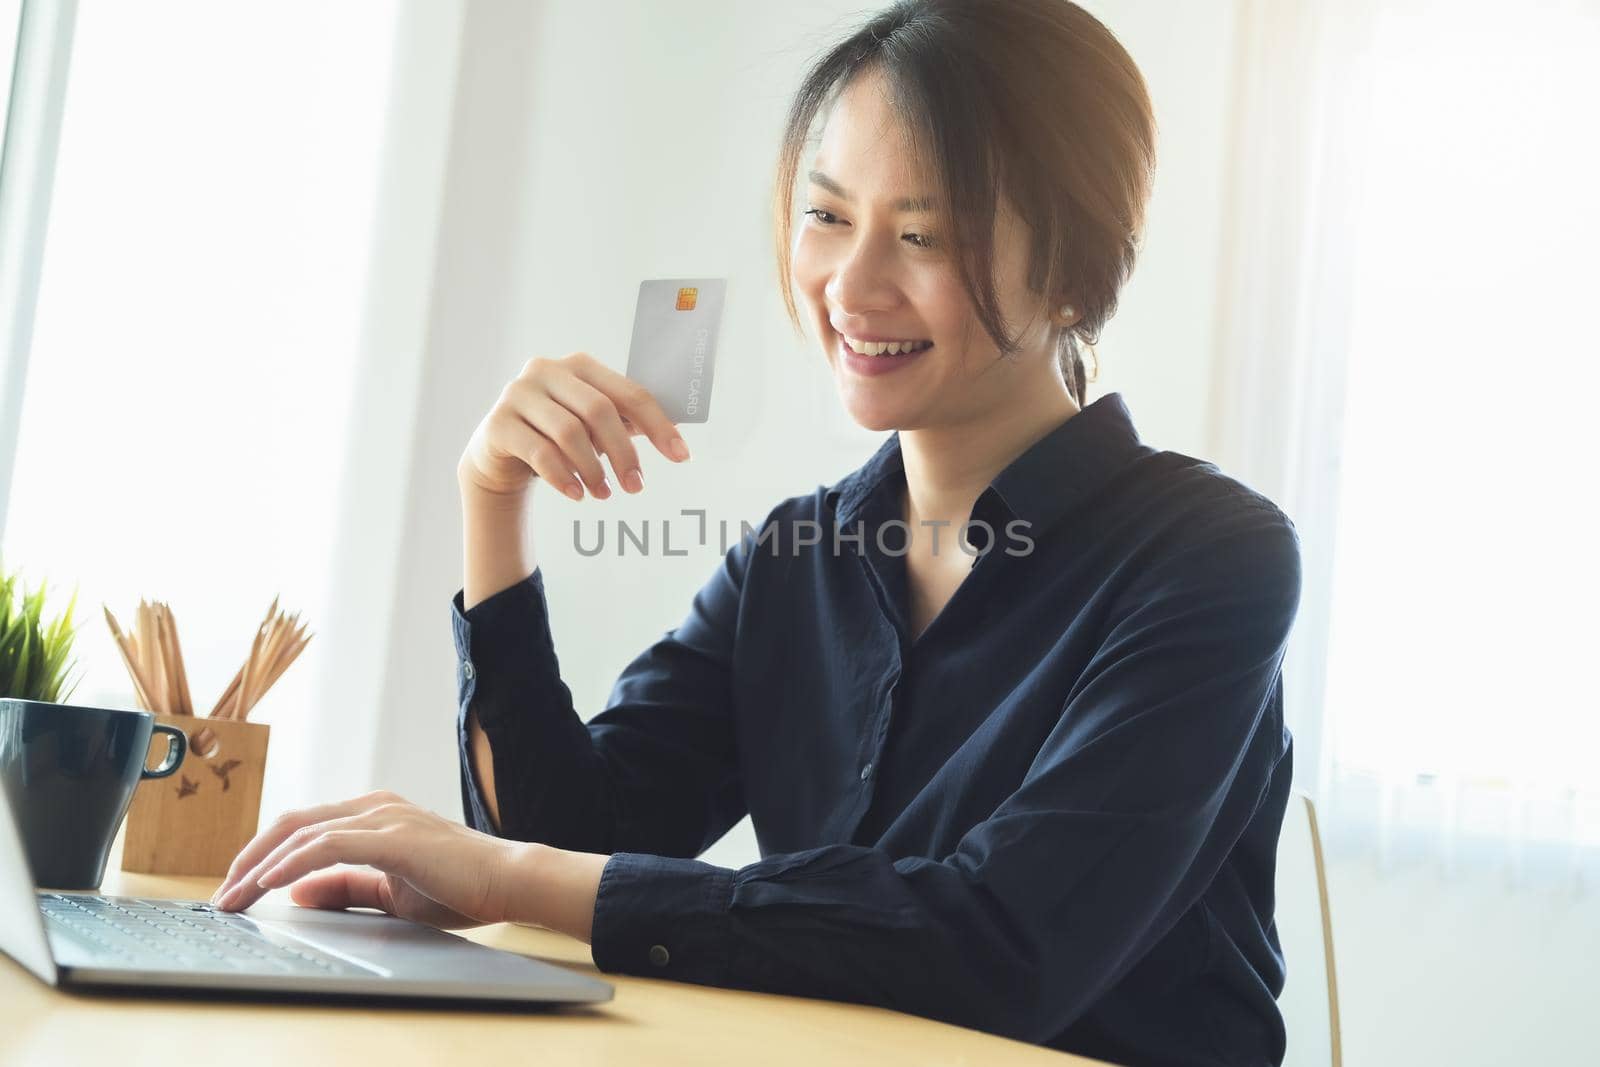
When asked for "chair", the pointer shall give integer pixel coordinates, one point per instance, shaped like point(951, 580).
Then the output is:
point(1310, 998)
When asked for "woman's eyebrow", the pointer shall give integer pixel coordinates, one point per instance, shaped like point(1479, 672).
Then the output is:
point(909, 203)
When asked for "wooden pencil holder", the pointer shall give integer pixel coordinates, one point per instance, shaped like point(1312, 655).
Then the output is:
point(196, 821)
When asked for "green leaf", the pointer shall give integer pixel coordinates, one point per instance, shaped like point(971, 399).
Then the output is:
point(34, 654)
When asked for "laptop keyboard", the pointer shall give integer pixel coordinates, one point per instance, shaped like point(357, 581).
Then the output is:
point(164, 935)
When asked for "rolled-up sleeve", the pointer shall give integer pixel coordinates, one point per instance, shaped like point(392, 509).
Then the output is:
point(655, 771)
point(1161, 755)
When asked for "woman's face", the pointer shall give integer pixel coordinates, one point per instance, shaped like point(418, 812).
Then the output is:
point(872, 267)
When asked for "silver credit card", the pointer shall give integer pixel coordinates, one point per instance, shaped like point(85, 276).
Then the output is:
point(674, 346)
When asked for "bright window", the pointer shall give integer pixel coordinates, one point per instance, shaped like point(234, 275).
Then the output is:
point(189, 386)
point(1466, 580)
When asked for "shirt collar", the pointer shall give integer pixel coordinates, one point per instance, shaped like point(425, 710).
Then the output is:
point(1060, 469)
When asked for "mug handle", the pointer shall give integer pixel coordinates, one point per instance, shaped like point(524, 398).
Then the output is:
point(177, 747)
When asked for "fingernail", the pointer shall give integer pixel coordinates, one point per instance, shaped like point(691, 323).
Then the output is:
point(602, 488)
point(633, 481)
point(574, 490)
point(678, 449)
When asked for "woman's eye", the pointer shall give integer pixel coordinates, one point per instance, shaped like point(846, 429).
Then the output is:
point(918, 240)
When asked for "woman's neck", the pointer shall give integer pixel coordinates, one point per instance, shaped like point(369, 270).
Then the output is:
point(948, 466)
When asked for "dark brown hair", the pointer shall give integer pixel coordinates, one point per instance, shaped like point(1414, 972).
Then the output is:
point(1032, 98)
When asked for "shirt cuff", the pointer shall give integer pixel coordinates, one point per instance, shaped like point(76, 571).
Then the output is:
point(498, 613)
point(515, 616)
point(663, 917)
point(504, 637)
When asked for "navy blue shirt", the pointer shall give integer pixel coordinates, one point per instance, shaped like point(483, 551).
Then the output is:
point(1052, 815)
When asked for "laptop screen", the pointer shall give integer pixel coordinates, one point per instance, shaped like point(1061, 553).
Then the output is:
point(22, 935)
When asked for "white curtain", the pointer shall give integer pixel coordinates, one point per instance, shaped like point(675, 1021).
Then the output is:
point(10, 27)
point(1406, 367)
point(35, 56)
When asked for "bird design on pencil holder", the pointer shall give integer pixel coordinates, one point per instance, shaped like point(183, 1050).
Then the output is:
point(186, 786)
point(222, 771)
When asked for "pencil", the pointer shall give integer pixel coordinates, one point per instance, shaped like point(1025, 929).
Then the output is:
point(141, 690)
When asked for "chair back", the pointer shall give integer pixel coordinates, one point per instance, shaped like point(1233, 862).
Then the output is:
point(1310, 998)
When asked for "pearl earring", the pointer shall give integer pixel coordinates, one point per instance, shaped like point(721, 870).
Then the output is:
point(1068, 311)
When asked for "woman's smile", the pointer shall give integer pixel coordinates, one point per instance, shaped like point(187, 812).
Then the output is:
point(882, 363)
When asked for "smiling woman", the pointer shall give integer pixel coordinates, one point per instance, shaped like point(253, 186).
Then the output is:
point(1034, 790)
point(1025, 111)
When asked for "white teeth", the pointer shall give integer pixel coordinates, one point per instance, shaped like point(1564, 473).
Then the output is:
point(879, 348)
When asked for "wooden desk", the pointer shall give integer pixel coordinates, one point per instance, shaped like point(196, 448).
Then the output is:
point(650, 1021)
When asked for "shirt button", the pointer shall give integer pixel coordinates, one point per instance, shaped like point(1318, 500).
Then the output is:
point(466, 669)
point(866, 772)
point(659, 955)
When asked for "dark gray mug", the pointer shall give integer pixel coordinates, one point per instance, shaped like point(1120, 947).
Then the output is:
point(70, 773)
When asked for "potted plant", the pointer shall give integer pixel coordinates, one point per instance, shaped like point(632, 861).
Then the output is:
point(33, 653)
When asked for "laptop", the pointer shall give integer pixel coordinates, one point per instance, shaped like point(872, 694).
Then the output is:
point(92, 940)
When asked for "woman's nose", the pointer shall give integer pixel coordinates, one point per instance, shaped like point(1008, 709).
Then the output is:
point(862, 281)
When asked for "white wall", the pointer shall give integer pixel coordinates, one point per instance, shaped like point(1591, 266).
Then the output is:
point(596, 144)
point(1469, 972)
